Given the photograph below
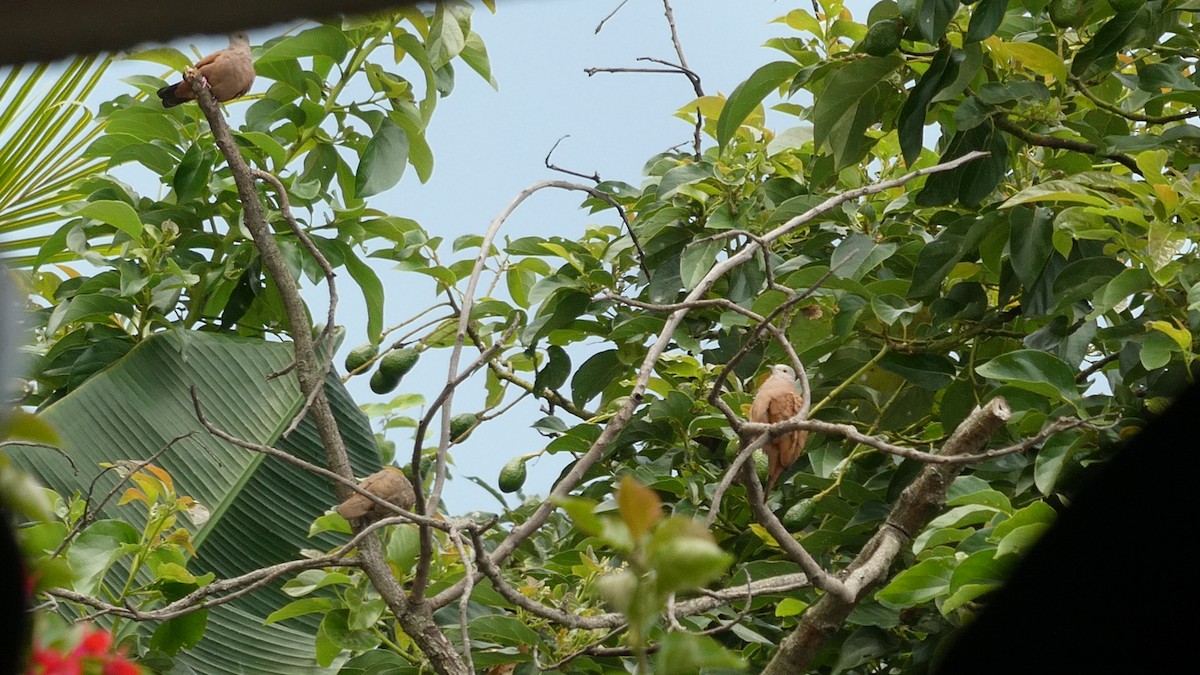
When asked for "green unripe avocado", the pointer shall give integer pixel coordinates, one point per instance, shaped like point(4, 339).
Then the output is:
point(392, 367)
point(359, 356)
point(1067, 13)
point(761, 465)
point(799, 515)
point(882, 38)
point(381, 383)
point(512, 476)
point(1126, 5)
point(460, 427)
point(397, 363)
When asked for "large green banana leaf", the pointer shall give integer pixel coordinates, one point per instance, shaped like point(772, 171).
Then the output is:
point(261, 507)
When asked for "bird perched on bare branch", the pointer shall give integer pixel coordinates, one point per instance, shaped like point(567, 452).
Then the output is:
point(389, 484)
point(777, 401)
point(229, 73)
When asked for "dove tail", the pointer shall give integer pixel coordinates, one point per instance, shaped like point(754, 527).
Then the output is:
point(170, 95)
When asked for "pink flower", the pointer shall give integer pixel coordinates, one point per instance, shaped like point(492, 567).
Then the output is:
point(119, 666)
point(94, 643)
point(47, 662)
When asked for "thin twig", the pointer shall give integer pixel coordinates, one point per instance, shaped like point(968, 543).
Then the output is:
point(595, 177)
point(610, 15)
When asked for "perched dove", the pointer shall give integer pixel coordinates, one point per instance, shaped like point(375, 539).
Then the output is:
point(777, 401)
point(389, 484)
point(229, 72)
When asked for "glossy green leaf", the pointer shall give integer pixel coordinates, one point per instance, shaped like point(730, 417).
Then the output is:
point(594, 375)
point(370, 285)
point(910, 126)
point(1034, 371)
point(933, 17)
point(920, 583)
point(926, 370)
point(697, 259)
point(749, 95)
point(383, 161)
point(118, 214)
point(326, 41)
point(850, 104)
point(986, 17)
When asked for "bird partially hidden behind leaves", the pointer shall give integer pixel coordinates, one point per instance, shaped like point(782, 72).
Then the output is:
point(389, 484)
point(229, 73)
point(777, 401)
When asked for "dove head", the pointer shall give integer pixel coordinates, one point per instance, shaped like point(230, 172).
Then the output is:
point(239, 39)
point(783, 371)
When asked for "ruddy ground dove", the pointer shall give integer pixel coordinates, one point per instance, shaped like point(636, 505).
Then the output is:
point(389, 484)
point(229, 73)
point(776, 401)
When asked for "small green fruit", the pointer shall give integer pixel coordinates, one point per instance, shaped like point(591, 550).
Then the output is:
point(359, 356)
point(799, 515)
point(882, 38)
point(512, 476)
point(381, 383)
point(460, 427)
point(761, 466)
point(397, 363)
point(1067, 13)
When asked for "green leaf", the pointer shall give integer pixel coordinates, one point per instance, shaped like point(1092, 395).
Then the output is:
point(920, 583)
point(1034, 371)
point(554, 374)
point(985, 19)
point(926, 369)
point(684, 555)
point(910, 126)
point(790, 607)
point(939, 256)
point(864, 645)
point(403, 547)
point(748, 95)
point(300, 608)
point(1099, 53)
point(182, 632)
point(849, 104)
point(858, 254)
point(474, 54)
point(697, 259)
point(95, 550)
point(1037, 58)
point(582, 512)
point(892, 308)
point(596, 373)
point(1031, 242)
point(1058, 191)
point(686, 654)
point(95, 307)
point(191, 176)
point(118, 214)
point(1021, 539)
point(370, 285)
point(933, 17)
point(378, 662)
point(324, 41)
point(446, 38)
point(383, 160)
